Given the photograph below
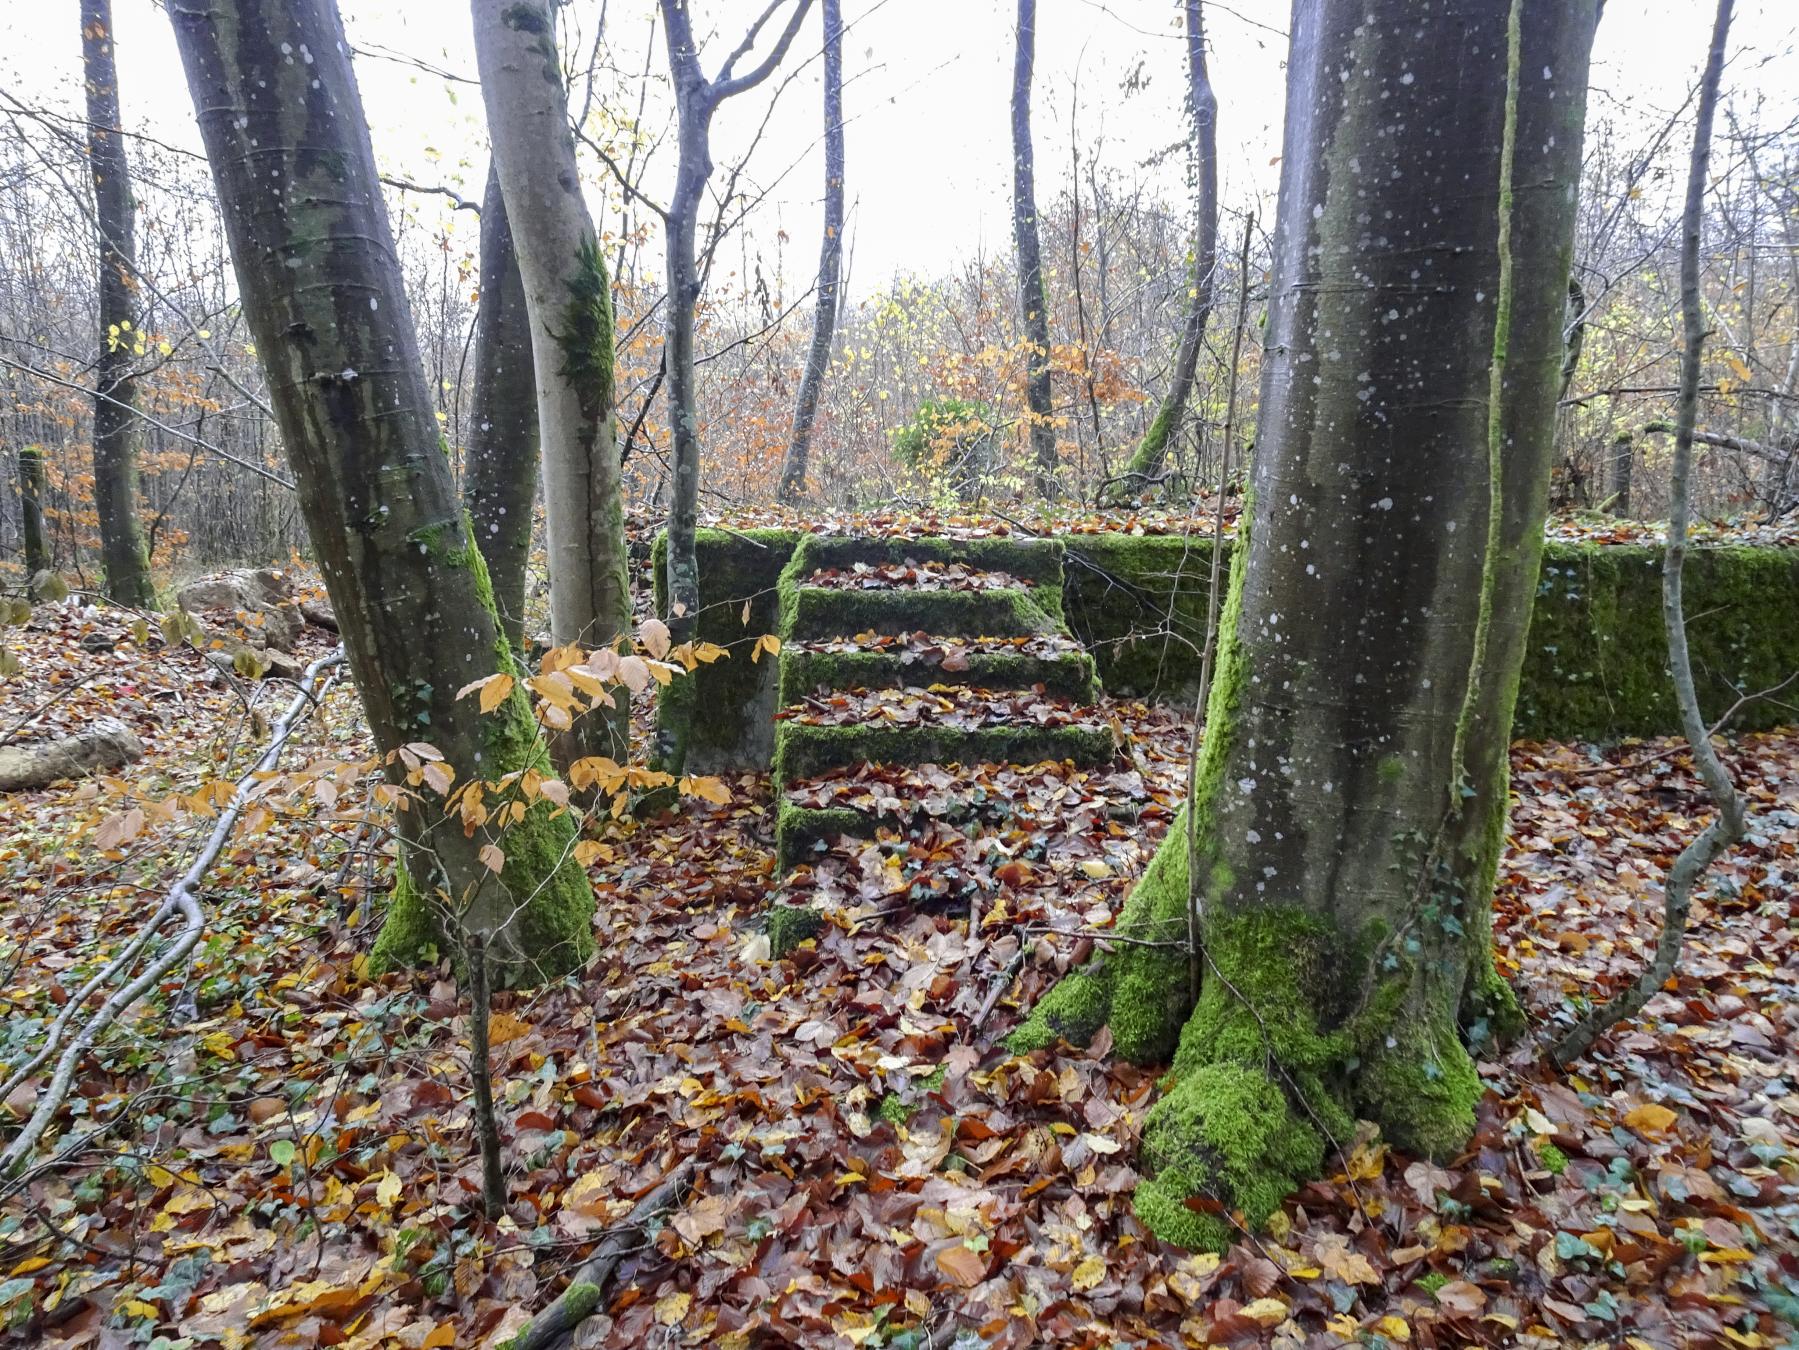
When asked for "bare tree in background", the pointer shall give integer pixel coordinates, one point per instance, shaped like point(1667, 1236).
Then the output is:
point(830, 264)
point(122, 553)
point(1033, 301)
point(697, 98)
point(1146, 463)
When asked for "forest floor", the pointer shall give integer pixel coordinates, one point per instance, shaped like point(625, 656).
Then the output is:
point(291, 1163)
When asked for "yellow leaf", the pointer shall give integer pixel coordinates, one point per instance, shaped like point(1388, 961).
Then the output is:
point(495, 691)
point(138, 1308)
point(1089, 1273)
point(1394, 1328)
point(1650, 1118)
point(671, 1309)
point(30, 1264)
point(503, 1028)
point(1096, 868)
point(1265, 1312)
point(706, 789)
point(387, 1190)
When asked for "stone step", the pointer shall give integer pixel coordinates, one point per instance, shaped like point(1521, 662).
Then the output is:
point(810, 613)
point(1058, 665)
point(1034, 561)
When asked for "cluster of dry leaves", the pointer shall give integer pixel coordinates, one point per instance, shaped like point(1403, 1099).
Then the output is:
point(288, 1156)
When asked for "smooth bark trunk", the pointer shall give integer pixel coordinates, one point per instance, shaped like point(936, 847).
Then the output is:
point(325, 302)
point(31, 510)
point(1033, 301)
point(569, 298)
point(1146, 462)
point(500, 477)
point(830, 266)
point(1351, 798)
point(123, 558)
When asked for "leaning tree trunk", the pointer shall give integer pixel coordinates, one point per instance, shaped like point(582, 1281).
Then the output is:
point(326, 304)
point(500, 480)
point(830, 265)
point(1033, 301)
point(31, 510)
point(569, 299)
point(1351, 800)
point(123, 557)
point(1624, 455)
point(1146, 461)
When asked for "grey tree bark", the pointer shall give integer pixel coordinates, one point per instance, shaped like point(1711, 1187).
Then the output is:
point(1146, 462)
point(500, 476)
point(325, 302)
point(31, 510)
point(1351, 798)
point(1033, 303)
point(569, 299)
point(697, 98)
point(123, 557)
point(830, 265)
point(1726, 827)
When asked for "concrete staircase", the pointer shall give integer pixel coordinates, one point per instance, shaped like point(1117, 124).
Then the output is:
point(921, 651)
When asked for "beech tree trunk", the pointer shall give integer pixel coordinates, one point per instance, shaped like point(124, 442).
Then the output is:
point(1146, 461)
point(123, 558)
point(31, 510)
point(830, 265)
point(324, 298)
point(569, 298)
point(1033, 303)
point(1351, 799)
point(500, 478)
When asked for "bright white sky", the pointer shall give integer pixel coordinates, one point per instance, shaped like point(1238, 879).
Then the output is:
point(929, 159)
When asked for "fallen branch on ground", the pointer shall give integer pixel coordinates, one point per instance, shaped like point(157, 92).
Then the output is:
point(587, 1288)
point(182, 899)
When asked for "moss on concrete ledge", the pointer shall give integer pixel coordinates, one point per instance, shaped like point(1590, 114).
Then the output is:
point(1038, 561)
point(1068, 675)
point(1595, 665)
point(734, 699)
point(790, 925)
point(803, 751)
point(827, 612)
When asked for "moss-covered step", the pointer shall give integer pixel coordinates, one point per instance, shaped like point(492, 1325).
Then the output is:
point(810, 612)
point(1036, 561)
point(1060, 669)
point(804, 749)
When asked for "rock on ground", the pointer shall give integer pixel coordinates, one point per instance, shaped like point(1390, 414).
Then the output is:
point(106, 744)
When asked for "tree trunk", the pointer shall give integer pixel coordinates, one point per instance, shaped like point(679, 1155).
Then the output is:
point(1624, 454)
point(500, 481)
point(569, 298)
point(830, 264)
point(696, 99)
point(1033, 303)
point(31, 510)
point(125, 561)
point(326, 305)
point(1351, 800)
point(1146, 462)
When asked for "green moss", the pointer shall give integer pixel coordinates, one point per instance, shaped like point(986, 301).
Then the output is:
point(1225, 1132)
point(587, 337)
point(1068, 675)
point(828, 612)
point(894, 1109)
point(799, 829)
point(733, 700)
point(1417, 1079)
point(804, 751)
point(1554, 1161)
point(1595, 664)
point(790, 925)
point(1432, 1281)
